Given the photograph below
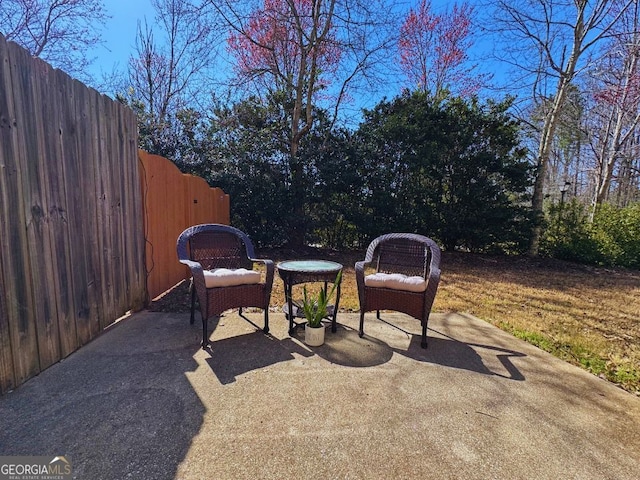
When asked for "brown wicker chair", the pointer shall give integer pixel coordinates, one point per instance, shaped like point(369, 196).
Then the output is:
point(212, 246)
point(400, 253)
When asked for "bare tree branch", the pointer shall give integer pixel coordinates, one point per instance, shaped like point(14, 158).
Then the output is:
point(562, 31)
point(58, 31)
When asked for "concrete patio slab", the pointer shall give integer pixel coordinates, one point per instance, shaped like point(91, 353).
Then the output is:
point(143, 401)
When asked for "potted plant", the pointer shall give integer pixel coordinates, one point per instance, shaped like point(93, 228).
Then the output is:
point(315, 308)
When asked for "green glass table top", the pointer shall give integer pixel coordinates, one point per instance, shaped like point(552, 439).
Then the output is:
point(309, 266)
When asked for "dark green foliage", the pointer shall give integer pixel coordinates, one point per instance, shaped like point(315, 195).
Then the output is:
point(334, 190)
point(452, 170)
point(250, 163)
point(256, 169)
point(617, 230)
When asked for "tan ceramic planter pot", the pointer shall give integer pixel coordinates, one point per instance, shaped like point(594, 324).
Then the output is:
point(314, 337)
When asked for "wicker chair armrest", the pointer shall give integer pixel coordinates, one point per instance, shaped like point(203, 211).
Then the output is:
point(195, 267)
point(197, 272)
point(434, 276)
point(268, 282)
point(360, 267)
point(434, 273)
point(432, 288)
point(261, 260)
point(269, 268)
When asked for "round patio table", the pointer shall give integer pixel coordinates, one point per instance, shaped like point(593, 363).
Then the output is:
point(294, 272)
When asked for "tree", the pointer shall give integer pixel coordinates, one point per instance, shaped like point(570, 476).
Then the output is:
point(166, 76)
point(306, 55)
point(58, 31)
point(451, 169)
point(247, 158)
point(567, 159)
point(570, 142)
point(246, 161)
point(293, 42)
point(617, 97)
point(332, 185)
point(434, 50)
point(548, 40)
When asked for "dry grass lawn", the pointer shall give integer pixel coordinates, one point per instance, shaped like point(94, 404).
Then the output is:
point(587, 316)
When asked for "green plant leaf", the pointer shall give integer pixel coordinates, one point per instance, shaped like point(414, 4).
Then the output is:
point(315, 307)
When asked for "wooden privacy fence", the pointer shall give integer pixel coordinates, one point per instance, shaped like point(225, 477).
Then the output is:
point(71, 222)
point(173, 201)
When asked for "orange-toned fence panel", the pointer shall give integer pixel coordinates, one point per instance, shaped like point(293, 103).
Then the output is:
point(173, 201)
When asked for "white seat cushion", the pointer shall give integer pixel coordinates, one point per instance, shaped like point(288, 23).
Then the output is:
point(224, 277)
point(396, 281)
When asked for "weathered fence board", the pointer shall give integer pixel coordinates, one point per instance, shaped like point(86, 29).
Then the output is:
point(30, 106)
point(105, 227)
point(15, 247)
point(172, 202)
point(7, 378)
point(133, 249)
point(57, 138)
point(71, 224)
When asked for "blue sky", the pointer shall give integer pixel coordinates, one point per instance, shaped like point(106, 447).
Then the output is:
point(119, 34)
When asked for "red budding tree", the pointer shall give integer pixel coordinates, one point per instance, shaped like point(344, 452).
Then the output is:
point(304, 55)
point(434, 50)
point(289, 47)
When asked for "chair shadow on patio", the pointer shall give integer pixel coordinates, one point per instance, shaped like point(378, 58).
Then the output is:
point(453, 353)
point(240, 354)
point(235, 353)
point(346, 348)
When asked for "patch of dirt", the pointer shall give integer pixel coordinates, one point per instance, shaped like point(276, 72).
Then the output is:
point(176, 300)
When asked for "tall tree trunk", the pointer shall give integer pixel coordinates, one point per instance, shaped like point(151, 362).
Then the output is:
point(298, 226)
point(544, 153)
point(560, 41)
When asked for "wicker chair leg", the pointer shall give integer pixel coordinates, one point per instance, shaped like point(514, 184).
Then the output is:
point(423, 343)
point(378, 314)
point(266, 321)
point(361, 332)
point(193, 303)
point(205, 332)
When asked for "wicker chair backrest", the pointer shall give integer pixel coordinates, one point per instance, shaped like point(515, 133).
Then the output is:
point(218, 250)
point(403, 255)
